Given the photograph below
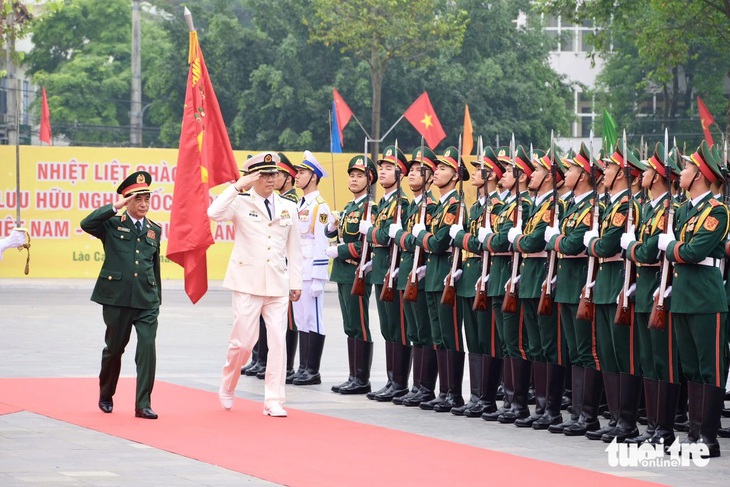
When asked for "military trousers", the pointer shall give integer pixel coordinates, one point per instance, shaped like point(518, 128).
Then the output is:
point(657, 349)
point(418, 326)
point(446, 323)
point(701, 343)
point(511, 329)
point(544, 336)
point(580, 336)
point(480, 328)
point(392, 321)
point(618, 349)
point(355, 313)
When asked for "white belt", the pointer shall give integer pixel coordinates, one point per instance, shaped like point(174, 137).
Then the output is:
point(615, 258)
point(503, 254)
point(648, 265)
point(582, 255)
point(535, 255)
point(710, 262)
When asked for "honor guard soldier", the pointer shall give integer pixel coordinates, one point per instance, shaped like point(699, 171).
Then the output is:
point(567, 240)
point(392, 326)
point(345, 258)
point(445, 320)
point(617, 353)
point(485, 357)
point(128, 288)
point(657, 348)
point(415, 310)
point(699, 304)
point(544, 337)
point(313, 218)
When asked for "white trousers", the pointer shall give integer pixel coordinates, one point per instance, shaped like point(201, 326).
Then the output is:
point(308, 311)
point(246, 311)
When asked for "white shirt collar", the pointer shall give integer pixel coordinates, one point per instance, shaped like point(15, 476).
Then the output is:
point(446, 196)
point(695, 201)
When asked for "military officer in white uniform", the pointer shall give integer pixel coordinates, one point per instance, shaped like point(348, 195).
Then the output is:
point(264, 273)
point(313, 217)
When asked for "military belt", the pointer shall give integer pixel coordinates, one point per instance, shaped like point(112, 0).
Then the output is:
point(535, 255)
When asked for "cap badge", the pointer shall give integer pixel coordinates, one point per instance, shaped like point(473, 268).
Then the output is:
point(140, 178)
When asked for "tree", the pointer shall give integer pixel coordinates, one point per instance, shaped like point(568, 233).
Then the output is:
point(381, 31)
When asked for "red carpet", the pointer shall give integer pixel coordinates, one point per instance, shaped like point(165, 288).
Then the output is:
point(193, 424)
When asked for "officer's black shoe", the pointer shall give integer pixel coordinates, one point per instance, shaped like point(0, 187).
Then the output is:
point(357, 386)
point(145, 413)
point(620, 435)
point(513, 415)
point(560, 428)
point(546, 421)
point(308, 378)
point(106, 405)
point(290, 374)
point(606, 430)
point(452, 401)
point(338, 387)
point(528, 421)
point(399, 400)
point(480, 408)
point(371, 395)
point(423, 395)
point(393, 391)
point(494, 415)
point(257, 367)
point(247, 367)
point(580, 428)
point(429, 405)
point(261, 374)
point(459, 411)
point(644, 437)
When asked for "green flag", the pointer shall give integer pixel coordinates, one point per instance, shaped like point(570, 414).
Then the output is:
point(610, 136)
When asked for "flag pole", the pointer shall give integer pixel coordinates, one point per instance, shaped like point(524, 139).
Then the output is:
point(332, 162)
point(17, 153)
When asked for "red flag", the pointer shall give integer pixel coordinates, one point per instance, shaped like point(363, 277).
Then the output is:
point(707, 119)
point(468, 133)
point(423, 118)
point(205, 159)
point(342, 112)
point(45, 134)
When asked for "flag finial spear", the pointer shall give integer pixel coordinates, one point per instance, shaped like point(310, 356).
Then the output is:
point(189, 19)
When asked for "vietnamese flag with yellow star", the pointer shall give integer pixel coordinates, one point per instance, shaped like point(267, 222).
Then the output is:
point(205, 159)
point(423, 118)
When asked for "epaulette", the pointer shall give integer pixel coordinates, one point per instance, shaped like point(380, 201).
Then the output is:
point(624, 199)
point(495, 201)
point(244, 194)
point(430, 201)
point(320, 200)
point(154, 223)
point(715, 202)
point(453, 200)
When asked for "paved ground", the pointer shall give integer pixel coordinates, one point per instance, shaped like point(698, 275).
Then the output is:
point(51, 329)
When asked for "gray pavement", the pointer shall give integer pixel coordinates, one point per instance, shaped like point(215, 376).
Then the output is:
point(51, 329)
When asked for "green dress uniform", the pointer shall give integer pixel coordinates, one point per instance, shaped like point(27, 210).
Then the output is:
point(292, 335)
point(128, 288)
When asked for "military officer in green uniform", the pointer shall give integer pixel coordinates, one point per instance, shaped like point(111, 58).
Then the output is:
point(567, 240)
point(392, 326)
point(418, 329)
point(657, 348)
point(128, 288)
point(345, 257)
point(445, 320)
point(544, 337)
point(699, 304)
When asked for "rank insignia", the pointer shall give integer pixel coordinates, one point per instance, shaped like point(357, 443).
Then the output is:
point(151, 234)
point(710, 224)
point(323, 218)
point(253, 214)
point(618, 219)
point(449, 219)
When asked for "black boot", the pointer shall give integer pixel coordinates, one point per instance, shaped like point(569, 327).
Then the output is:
point(292, 338)
point(712, 401)
point(630, 392)
point(350, 362)
point(417, 353)
point(254, 359)
point(576, 400)
point(388, 372)
point(508, 389)
point(455, 374)
point(401, 371)
point(554, 396)
point(666, 410)
point(521, 372)
point(475, 381)
point(491, 375)
point(303, 355)
point(540, 381)
point(443, 382)
point(566, 403)
point(612, 388)
point(592, 388)
point(263, 351)
point(427, 377)
point(651, 393)
point(681, 419)
point(694, 411)
point(360, 383)
point(311, 376)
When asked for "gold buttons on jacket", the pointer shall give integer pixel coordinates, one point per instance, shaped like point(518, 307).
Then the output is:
point(136, 262)
point(137, 250)
point(110, 278)
point(135, 274)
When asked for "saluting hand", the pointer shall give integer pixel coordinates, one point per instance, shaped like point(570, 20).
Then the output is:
point(246, 181)
point(122, 202)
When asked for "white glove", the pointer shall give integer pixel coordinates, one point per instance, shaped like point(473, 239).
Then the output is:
point(457, 275)
point(455, 229)
point(393, 229)
point(15, 239)
point(554, 283)
point(588, 236)
point(631, 230)
point(667, 292)
point(331, 252)
point(482, 234)
point(664, 240)
point(365, 225)
point(631, 292)
point(367, 267)
point(317, 288)
point(395, 273)
point(550, 232)
point(590, 286)
point(417, 229)
point(506, 284)
point(513, 233)
point(421, 272)
point(626, 240)
point(332, 219)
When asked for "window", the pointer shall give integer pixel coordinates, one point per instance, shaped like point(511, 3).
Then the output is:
point(572, 36)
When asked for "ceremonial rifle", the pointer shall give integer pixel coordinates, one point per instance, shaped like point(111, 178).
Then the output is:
point(586, 308)
point(481, 303)
point(509, 305)
point(658, 316)
point(387, 294)
point(625, 309)
point(358, 285)
point(448, 296)
point(545, 306)
point(411, 291)
point(725, 198)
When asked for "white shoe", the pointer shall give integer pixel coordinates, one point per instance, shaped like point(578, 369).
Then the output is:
point(275, 411)
point(226, 398)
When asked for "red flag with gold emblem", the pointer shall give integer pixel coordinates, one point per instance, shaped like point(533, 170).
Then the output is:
point(205, 159)
point(707, 119)
point(423, 118)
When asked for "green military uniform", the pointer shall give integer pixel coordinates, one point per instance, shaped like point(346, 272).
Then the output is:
point(129, 289)
point(292, 335)
point(699, 303)
point(392, 323)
